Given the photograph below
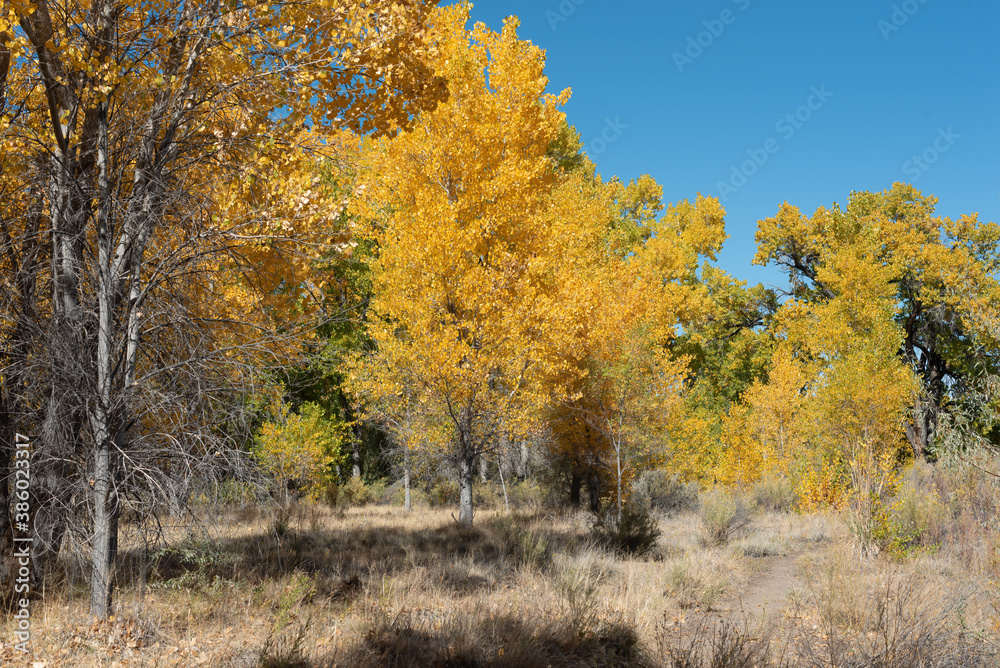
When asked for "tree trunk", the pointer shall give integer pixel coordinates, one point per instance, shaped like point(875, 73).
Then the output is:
point(406, 477)
point(523, 469)
point(618, 472)
point(921, 429)
point(594, 491)
point(355, 458)
point(104, 539)
point(465, 465)
point(503, 485)
point(574, 489)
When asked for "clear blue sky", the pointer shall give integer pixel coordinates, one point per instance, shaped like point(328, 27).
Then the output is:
point(930, 87)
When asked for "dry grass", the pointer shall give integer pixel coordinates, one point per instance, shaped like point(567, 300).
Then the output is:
point(378, 586)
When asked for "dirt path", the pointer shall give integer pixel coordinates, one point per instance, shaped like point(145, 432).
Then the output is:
point(766, 594)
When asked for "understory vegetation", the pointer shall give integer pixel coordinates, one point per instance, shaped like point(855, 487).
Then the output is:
point(371, 584)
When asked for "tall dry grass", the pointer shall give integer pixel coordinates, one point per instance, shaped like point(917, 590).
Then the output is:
point(378, 586)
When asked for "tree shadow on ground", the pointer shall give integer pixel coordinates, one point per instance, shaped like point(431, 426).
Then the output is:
point(464, 641)
point(342, 560)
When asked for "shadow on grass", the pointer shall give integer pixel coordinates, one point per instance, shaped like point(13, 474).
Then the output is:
point(462, 640)
point(341, 560)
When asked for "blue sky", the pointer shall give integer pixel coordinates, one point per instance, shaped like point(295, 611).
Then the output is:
point(688, 91)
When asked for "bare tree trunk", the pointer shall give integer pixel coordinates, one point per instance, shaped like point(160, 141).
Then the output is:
point(921, 429)
point(618, 473)
point(355, 457)
point(506, 502)
point(406, 477)
point(104, 542)
point(466, 462)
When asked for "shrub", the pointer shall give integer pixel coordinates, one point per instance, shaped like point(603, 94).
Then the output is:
point(664, 492)
point(693, 585)
point(529, 494)
point(300, 450)
point(723, 516)
point(894, 622)
point(716, 645)
point(442, 492)
point(530, 547)
point(355, 492)
point(775, 494)
point(396, 494)
point(633, 534)
point(919, 510)
point(577, 579)
point(330, 493)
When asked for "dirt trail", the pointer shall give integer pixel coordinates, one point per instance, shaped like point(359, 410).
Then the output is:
point(766, 595)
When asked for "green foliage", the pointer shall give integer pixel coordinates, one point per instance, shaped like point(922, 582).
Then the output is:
point(664, 492)
point(195, 560)
point(723, 516)
point(356, 492)
point(633, 534)
point(915, 521)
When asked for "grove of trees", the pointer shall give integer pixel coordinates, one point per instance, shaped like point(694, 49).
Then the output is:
point(292, 244)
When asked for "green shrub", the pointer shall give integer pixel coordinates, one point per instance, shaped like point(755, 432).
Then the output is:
point(396, 494)
point(529, 546)
point(919, 513)
point(356, 492)
point(664, 492)
point(442, 493)
point(723, 516)
point(633, 534)
point(775, 494)
point(330, 493)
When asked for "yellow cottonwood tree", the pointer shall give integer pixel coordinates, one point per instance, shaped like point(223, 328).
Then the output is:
point(300, 448)
point(849, 326)
point(937, 277)
point(464, 305)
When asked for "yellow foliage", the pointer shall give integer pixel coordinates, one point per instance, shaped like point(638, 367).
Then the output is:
point(300, 448)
